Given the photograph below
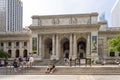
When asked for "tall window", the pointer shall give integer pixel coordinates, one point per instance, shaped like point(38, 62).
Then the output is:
point(119, 54)
point(9, 44)
point(17, 43)
point(1, 44)
point(112, 54)
point(25, 43)
point(10, 53)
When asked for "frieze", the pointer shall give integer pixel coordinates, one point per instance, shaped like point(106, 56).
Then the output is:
point(55, 21)
point(73, 20)
point(39, 22)
point(63, 21)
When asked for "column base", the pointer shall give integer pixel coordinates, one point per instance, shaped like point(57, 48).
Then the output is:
point(54, 57)
point(88, 56)
point(95, 57)
point(39, 58)
point(74, 57)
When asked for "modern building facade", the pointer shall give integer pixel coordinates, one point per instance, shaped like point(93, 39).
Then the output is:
point(115, 14)
point(11, 12)
point(75, 35)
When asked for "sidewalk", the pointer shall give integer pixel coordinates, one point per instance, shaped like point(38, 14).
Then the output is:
point(97, 65)
point(61, 77)
point(83, 66)
point(65, 70)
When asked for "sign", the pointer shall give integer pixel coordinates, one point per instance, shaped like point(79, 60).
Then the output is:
point(82, 61)
point(88, 61)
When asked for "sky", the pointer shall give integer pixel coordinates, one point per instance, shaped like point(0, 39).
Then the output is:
point(56, 7)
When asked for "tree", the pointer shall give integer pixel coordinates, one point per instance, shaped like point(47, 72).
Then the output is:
point(114, 44)
point(4, 54)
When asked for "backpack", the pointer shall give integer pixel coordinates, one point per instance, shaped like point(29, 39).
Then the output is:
point(27, 59)
point(20, 59)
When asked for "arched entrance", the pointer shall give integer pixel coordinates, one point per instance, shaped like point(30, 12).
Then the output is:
point(17, 53)
point(25, 53)
point(81, 48)
point(10, 53)
point(64, 48)
point(47, 48)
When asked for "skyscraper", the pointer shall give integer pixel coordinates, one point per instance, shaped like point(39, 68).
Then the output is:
point(11, 12)
point(115, 14)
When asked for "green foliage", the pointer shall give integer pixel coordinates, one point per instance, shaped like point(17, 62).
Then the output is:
point(4, 54)
point(114, 44)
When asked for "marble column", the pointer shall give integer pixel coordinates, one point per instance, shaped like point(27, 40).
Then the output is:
point(71, 46)
point(88, 46)
point(53, 48)
point(12, 50)
point(57, 48)
point(40, 46)
point(74, 46)
point(21, 49)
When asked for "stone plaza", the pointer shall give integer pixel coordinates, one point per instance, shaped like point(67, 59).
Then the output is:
point(96, 72)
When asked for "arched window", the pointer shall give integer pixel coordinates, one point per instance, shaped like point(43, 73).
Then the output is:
point(17, 53)
point(112, 54)
point(25, 53)
point(10, 53)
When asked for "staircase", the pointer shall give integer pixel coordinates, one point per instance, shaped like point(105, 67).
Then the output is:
point(44, 62)
point(60, 62)
point(76, 71)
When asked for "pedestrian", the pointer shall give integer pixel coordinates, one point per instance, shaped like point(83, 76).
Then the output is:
point(31, 60)
point(70, 61)
point(15, 64)
point(20, 61)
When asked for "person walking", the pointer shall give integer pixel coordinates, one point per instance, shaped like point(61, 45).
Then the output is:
point(70, 61)
point(31, 60)
point(20, 61)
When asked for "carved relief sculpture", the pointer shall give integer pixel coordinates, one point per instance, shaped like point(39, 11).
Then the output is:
point(89, 21)
point(39, 22)
point(55, 21)
point(73, 20)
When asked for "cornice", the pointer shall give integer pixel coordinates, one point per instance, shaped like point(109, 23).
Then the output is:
point(64, 15)
point(65, 26)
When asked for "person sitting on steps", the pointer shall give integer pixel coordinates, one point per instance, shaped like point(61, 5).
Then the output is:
point(50, 69)
point(15, 65)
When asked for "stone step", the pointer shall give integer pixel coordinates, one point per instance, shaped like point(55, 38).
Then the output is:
point(68, 71)
point(44, 62)
point(78, 71)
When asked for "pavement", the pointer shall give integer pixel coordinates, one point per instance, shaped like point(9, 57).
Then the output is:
point(64, 70)
point(105, 72)
point(60, 77)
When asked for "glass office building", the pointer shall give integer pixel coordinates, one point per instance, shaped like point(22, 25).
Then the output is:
point(115, 14)
point(11, 12)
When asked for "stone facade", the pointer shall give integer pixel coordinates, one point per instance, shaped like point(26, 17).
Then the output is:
point(76, 35)
point(16, 43)
point(59, 36)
